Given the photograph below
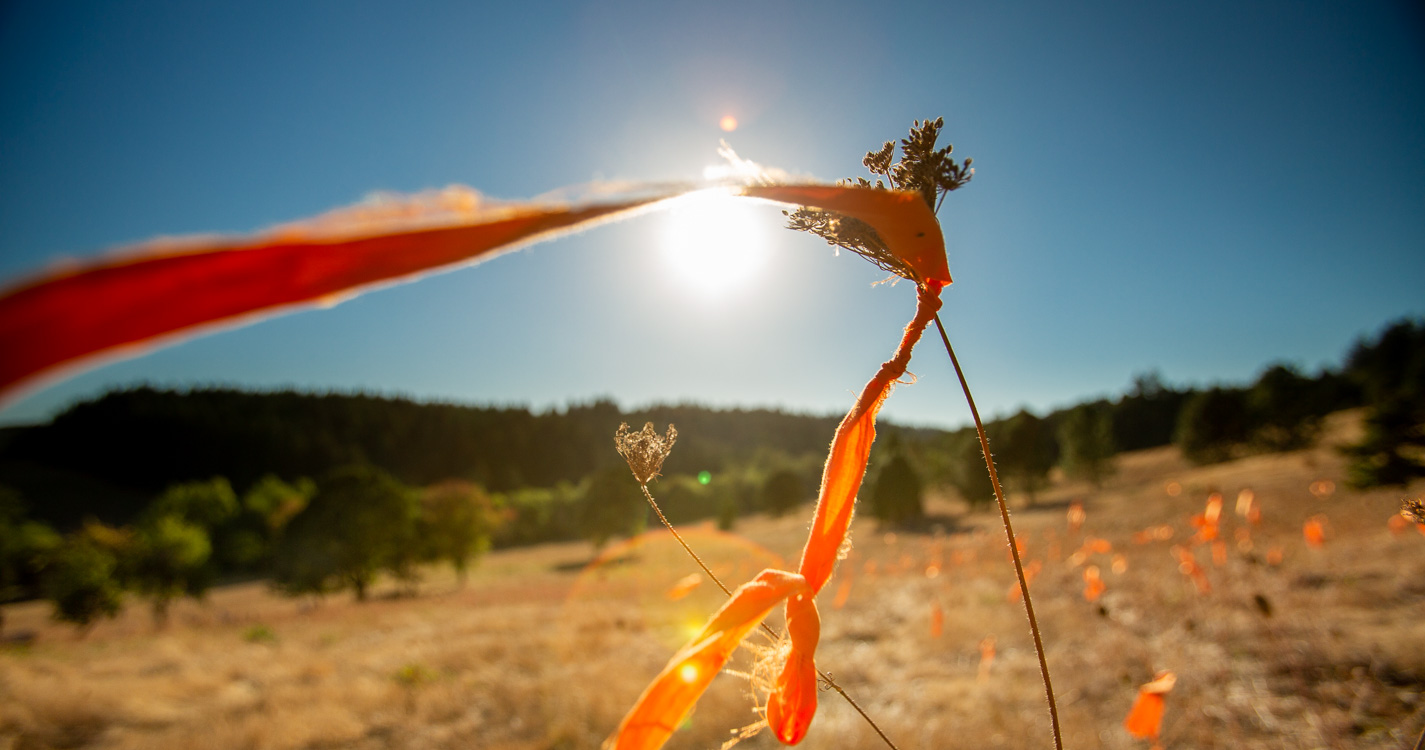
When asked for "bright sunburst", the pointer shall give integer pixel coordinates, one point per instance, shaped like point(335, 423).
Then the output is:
point(715, 243)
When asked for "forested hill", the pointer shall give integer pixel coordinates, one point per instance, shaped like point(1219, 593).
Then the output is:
point(109, 456)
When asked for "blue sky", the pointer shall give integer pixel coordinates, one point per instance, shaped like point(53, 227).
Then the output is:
point(1201, 189)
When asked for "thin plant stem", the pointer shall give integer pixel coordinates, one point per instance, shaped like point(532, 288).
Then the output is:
point(649, 496)
point(1009, 533)
point(826, 678)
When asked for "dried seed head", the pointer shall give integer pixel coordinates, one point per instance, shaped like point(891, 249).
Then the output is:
point(1413, 508)
point(644, 450)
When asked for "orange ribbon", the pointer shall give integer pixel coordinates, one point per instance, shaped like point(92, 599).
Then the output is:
point(127, 302)
point(792, 702)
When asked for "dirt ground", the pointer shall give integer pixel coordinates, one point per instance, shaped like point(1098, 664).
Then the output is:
point(1276, 643)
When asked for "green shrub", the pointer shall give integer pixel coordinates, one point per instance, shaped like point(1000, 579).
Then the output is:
point(81, 581)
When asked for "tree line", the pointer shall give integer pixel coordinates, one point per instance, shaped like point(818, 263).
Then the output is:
point(1282, 410)
point(361, 518)
point(107, 457)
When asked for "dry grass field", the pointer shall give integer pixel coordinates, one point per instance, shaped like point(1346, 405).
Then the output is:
point(1294, 646)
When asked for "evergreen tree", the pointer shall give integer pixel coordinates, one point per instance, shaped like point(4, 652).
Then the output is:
point(1086, 439)
point(968, 473)
point(1284, 410)
point(1393, 449)
point(1212, 424)
point(1391, 375)
point(1147, 415)
point(898, 495)
point(1026, 450)
point(1392, 365)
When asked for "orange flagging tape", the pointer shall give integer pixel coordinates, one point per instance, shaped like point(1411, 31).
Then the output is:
point(122, 304)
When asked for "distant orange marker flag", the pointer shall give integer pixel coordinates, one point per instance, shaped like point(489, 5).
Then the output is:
point(684, 586)
point(987, 657)
point(1145, 719)
point(1187, 565)
point(1076, 515)
point(1314, 530)
point(1093, 584)
point(1206, 521)
point(1245, 500)
point(1160, 533)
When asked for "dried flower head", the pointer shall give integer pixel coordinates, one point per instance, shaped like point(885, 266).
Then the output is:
point(1413, 508)
point(922, 169)
point(850, 233)
point(644, 450)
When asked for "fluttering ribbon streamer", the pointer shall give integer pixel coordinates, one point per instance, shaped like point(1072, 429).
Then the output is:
point(140, 297)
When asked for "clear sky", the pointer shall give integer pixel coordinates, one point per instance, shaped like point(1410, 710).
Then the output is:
point(1200, 189)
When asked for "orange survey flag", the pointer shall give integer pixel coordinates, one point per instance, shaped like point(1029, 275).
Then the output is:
point(1093, 584)
point(684, 586)
point(1145, 719)
point(1314, 530)
point(1076, 515)
point(987, 657)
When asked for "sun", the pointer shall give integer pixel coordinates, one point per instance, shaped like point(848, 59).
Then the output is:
point(715, 243)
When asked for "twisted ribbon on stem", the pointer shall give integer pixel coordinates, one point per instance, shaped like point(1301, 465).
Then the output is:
point(792, 702)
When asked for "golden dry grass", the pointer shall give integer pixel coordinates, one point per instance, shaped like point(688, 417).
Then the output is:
point(541, 650)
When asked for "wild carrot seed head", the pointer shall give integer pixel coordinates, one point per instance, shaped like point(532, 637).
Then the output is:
point(644, 450)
